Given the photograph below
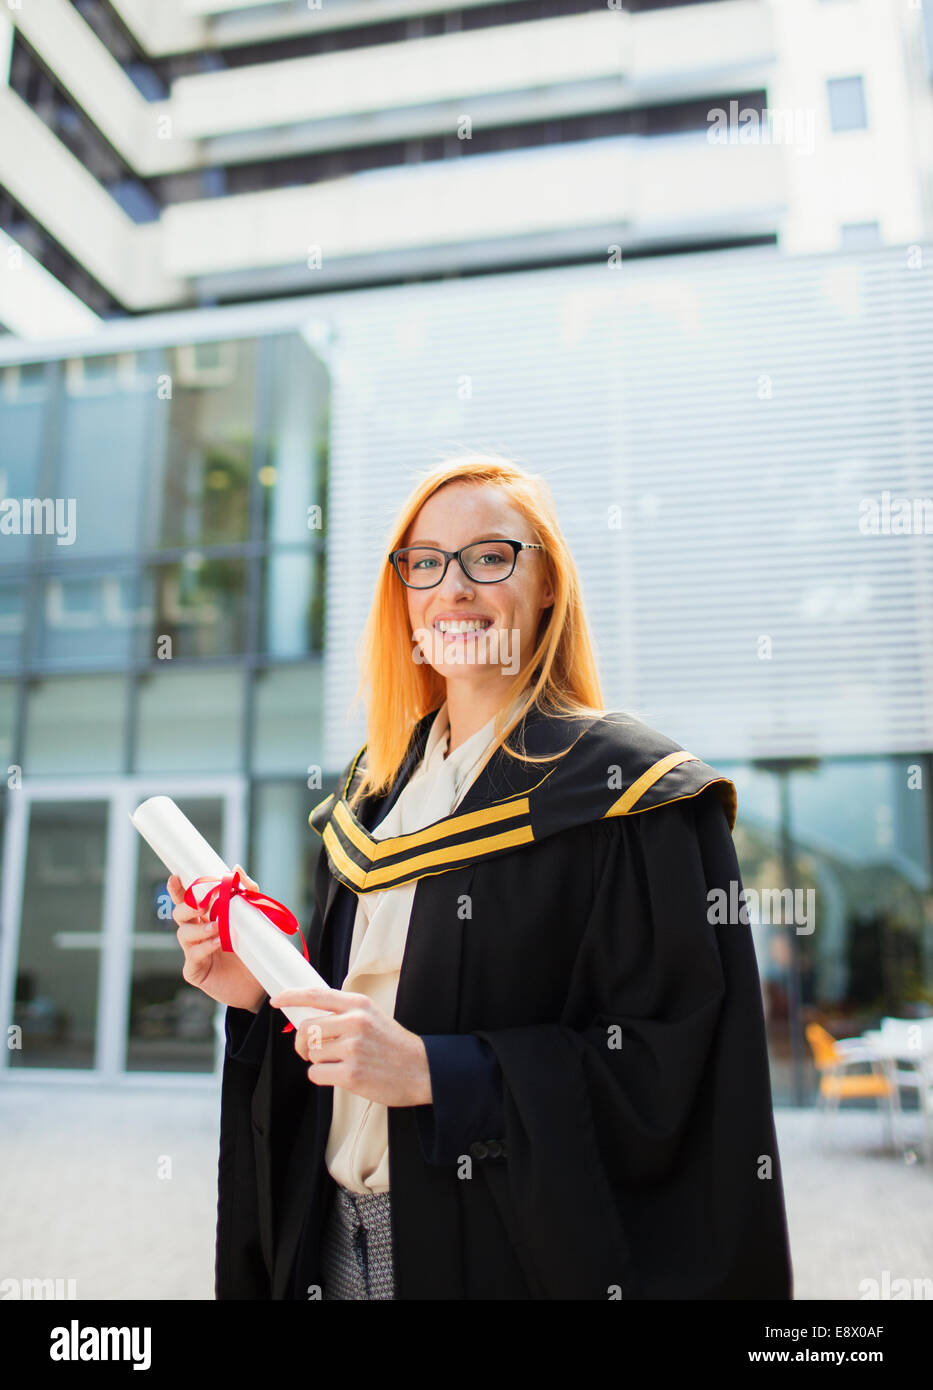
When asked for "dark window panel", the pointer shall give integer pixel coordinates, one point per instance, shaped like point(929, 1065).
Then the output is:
point(200, 604)
point(35, 85)
point(297, 171)
point(232, 55)
point(28, 233)
point(103, 19)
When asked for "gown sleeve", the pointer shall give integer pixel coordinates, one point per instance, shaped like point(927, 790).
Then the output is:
point(246, 1034)
point(642, 1157)
point(240, 1269)
point(466, 1084)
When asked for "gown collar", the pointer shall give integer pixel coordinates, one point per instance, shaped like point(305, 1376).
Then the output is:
point(611, 765)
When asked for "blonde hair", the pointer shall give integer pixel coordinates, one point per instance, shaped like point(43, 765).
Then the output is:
point(560, 676)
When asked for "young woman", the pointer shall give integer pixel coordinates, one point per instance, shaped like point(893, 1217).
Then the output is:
point(543, 1071)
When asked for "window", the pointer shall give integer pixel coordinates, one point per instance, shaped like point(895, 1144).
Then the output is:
point(76, 724)
point(191, 721)
point(847, 109)
point(859, 234)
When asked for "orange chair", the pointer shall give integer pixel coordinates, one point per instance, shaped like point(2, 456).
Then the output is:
point(832, 1057)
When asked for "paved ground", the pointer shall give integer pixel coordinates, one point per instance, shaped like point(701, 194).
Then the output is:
point(81, 1193)
point(117, 1188)
point(856, 1209)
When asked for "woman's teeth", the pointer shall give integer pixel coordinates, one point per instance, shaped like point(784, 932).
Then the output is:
point(473, 625)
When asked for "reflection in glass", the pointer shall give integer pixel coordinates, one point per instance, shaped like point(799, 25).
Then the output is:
point(757, 838)
point(60, 940)
point(111, 428)
point(200, 605)
point(23, 411)
point(7, 722)
point(76, 724)
point(289, 713)
point(858, 929)
point(90, 619)
point(294, 475)
point(190, 721)
point(12, 619)
point(293, 603)
point(203, 497)
point(171, 1023)
point(862, 835)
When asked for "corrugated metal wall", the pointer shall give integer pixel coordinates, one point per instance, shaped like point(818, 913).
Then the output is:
point(735, 409)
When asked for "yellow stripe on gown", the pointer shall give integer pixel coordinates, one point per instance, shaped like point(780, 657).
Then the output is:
point(357, 1153)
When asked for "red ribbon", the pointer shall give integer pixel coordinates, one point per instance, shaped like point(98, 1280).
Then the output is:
point(231, 886)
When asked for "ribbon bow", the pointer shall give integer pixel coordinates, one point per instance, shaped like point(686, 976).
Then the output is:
point(231, 886)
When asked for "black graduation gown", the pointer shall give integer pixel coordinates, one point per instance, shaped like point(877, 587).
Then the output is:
point(639, 1157)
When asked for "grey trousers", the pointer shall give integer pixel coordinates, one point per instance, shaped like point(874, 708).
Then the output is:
point(356, 1254)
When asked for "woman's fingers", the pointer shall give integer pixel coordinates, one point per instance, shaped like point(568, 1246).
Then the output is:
point(176, 889)
point(245, 878)
point(197, 940)
point(183, 914)
point(197, 960)
point(192, 933)
point(198, 918)
point(311, 1037)
point(200, 942)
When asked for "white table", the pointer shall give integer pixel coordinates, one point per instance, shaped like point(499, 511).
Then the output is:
point(905, 1066)
point(892, 1049)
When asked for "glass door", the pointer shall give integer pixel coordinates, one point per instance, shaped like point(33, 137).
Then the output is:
point(57, 981)
point(90, 969)
point(170, 1024)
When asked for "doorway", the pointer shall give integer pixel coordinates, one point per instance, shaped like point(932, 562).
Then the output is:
point(90, 967)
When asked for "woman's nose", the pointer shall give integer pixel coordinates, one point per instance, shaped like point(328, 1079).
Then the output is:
point(454, 581)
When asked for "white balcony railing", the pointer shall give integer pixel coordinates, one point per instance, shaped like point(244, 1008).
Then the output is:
point(606, 184)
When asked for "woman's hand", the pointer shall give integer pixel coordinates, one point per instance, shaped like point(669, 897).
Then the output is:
point(219, 974)
point(360, 1048)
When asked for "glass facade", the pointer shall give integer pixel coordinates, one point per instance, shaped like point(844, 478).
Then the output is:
point(162, 582)
point(61, 941)
point(836, 861)
point(171, 504)
point(161, 619)
point(170, 1024)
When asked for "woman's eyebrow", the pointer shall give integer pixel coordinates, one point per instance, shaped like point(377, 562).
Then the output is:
point(483, 536)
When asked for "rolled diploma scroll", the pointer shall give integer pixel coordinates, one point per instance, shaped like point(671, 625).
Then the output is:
point(265, 950)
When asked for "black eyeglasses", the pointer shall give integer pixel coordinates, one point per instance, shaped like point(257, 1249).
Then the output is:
point(485, 562)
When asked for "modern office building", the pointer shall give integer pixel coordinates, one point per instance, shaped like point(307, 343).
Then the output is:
point(714, 430)
point(192, 152)
point(266, 261)
point(182, 477)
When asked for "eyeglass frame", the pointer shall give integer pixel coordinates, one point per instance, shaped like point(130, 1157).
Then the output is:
point(457, 555)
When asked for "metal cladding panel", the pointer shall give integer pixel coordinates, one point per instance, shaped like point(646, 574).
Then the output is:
point(713, 427)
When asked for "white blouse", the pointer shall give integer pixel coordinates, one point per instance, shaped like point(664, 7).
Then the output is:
point(357, 1153)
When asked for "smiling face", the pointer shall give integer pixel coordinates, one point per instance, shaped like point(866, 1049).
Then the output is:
point(460, 514)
